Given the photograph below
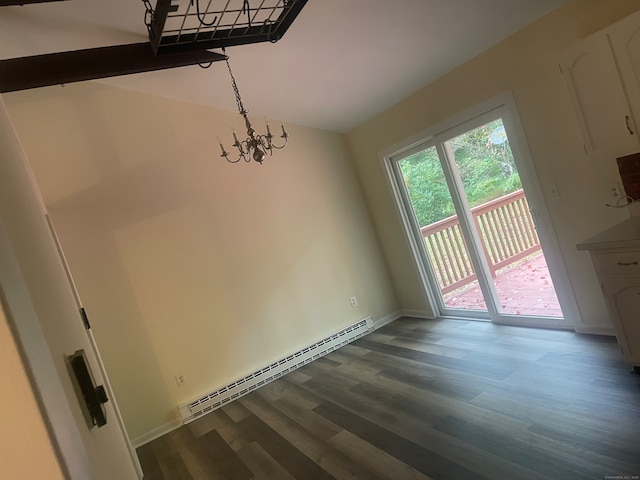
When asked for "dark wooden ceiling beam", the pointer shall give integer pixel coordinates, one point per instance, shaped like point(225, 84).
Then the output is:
point(80, 65)
point(8, 3)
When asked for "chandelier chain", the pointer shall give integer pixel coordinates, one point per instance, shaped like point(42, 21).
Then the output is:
point(235, 89)
point(148, 15)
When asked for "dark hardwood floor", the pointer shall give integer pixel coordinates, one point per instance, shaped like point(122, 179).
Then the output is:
point(422, 399)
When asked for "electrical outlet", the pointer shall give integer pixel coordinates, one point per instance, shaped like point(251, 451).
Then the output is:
point(180, 381)
point(614, 192)
point(353, 301)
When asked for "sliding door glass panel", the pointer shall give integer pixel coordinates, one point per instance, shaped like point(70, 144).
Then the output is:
point(487, 171)
point(446, 248)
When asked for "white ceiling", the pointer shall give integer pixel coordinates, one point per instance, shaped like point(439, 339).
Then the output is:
point(339, 64)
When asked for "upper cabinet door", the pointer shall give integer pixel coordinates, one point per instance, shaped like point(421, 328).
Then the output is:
point(625, 42)
point(599, 100)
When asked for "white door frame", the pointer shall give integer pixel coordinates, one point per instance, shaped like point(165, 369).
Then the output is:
point(503, 104)
point(95, 350)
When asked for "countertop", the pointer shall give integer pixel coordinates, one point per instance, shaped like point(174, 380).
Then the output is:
point(625, 234)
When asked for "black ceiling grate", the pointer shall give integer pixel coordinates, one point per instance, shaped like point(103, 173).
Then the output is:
point(182, 25)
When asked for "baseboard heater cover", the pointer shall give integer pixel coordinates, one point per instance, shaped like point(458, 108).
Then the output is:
point(220, 397)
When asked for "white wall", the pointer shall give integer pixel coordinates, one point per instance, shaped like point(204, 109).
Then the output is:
point(187, 264)
point(525, 63)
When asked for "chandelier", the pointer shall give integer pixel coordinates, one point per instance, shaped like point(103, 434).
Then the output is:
point(255, 147)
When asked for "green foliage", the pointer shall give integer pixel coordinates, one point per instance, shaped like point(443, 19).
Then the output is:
point(427, 186)
point(484, 161)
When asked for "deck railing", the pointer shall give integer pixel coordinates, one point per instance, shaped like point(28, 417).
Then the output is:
point(507, 231)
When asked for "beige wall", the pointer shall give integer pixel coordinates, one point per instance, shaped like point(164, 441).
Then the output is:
point(525, 63)
point(189, 265)
point(24, 443)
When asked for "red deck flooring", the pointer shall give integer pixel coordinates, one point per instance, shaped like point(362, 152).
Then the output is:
point(524, 288)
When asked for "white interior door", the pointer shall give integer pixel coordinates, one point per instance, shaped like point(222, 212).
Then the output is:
point(41, 307)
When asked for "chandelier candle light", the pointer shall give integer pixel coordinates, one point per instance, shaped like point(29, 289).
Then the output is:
point(255, 146)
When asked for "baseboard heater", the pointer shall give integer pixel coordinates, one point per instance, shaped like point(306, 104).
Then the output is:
point(220, 397)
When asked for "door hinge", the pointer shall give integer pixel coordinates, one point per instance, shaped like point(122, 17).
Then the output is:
point(85, 319)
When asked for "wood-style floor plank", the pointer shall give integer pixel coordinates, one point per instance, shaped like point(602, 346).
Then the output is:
point(410, 415)
point(286, 454)
point(523, 453)
point(378, 461)
point(312, 446)
point(423, 400)
point(414, 455)
point(150, 461)
point(306, 417)
point(173, 466)
point(262, 464)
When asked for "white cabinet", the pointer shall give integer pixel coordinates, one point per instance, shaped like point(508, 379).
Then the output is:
point(619, 274)
point(616, 258)
point(623, 301)
point(624, 38)
point(602, 73)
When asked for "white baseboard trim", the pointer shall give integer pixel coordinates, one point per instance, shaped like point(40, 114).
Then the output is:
point(418, 314)
point(548, 323)
point(594, 330)
point(387, 319)
point(156, 433)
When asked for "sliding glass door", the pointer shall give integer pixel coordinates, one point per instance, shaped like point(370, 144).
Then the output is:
point(464, 196)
